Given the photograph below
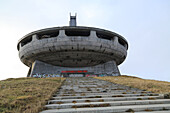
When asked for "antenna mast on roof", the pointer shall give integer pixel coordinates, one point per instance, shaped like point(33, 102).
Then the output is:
point(73, 20)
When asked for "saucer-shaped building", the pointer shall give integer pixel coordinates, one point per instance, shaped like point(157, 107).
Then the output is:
point(72, 51)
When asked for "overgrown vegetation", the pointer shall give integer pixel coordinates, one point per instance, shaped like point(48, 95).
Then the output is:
point(148, 85)
point(26, 95)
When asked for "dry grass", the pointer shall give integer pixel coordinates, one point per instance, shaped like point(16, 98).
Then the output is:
point(148, 85)
point(26, 95)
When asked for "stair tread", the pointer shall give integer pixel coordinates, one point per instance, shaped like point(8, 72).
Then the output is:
point(112, 108)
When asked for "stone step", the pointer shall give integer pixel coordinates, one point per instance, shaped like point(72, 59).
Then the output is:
point(99, 88)
point(105, 99)
point(106, 104)
point(99, 91)
point(112, 109)
point(91, 91)
point(103, 93)
point(103, 96)
point(168, 111)
point(96, 86)
point(88, 95)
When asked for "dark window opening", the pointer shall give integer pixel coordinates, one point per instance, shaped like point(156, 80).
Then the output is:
point(91, 50)
point(79, 60)
point(67, 56)
point(26, 41)
point(22, 57)
point(112, 54)
point(44, 36)
point(50, 50)
point(48, 35)
point(92, 61)
point(122, 42)
point(77, 32)
point(102, 62)
point(104, 36)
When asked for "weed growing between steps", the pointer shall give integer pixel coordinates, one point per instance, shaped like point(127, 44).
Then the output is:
point(130, 110)
point(148, 85)
point(26, 95)
point(91, 105)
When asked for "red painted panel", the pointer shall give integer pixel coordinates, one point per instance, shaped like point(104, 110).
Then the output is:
point(75, 71)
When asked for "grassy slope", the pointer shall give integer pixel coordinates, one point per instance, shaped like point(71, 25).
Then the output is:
point(26, 95)
point(149, 85)
point(29, 95)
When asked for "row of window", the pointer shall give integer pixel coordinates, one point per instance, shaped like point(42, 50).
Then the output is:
point(71, 33)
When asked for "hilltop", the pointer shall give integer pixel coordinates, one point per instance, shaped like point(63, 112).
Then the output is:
point(29, 95)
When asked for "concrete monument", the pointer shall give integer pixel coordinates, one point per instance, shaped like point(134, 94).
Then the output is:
point(72, 51)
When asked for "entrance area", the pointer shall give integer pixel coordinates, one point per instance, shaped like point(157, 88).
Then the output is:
point(74, 73)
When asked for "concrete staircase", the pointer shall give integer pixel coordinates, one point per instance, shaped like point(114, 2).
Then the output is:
point(89, 95)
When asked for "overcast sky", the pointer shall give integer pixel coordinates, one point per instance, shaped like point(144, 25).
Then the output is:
point(144, 23)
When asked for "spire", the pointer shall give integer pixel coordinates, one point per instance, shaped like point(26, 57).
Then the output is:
point(73, 20)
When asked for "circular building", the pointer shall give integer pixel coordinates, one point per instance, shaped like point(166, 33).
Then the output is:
point(72, 51)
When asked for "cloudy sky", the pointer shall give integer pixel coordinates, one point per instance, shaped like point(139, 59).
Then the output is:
point(144, 23)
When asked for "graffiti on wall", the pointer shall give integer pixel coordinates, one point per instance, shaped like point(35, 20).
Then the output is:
point(46, 75)
point(37, 75)
point(91, 75)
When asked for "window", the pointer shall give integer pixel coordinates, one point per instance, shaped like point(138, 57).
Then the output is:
point(49, 34)
point(74, 32)
point(26, 41)
point(104, 35)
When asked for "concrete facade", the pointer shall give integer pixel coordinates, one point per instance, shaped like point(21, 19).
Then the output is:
point(40, 68)
point(52, 50)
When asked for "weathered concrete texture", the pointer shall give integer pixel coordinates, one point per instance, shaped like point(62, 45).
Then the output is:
point(109, 68)
point(73, 51)
point(73, 47)
point(88, 95)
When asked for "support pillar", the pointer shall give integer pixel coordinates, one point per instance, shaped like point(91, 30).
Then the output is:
point(34, 37)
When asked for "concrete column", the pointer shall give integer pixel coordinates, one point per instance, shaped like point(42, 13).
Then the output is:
point(31, 69)
point(115, 41)
point(41, 68)
point(62, 33)
point(20, 46)
point(93, 34)
point(34, 37)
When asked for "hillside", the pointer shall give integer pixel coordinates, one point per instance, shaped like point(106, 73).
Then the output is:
point(145, 84)
point(26, 95)
point(29, 95)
